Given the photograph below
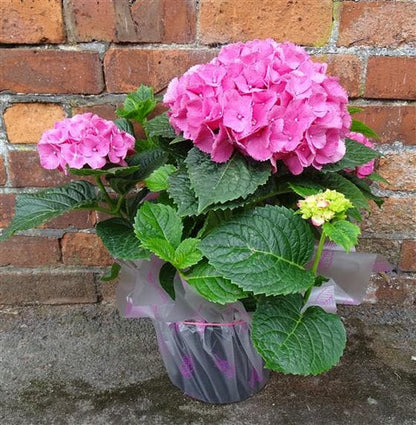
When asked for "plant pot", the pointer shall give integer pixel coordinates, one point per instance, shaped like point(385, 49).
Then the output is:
point(211, 362)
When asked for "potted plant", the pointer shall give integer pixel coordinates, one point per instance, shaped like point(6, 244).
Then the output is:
point(221, 212)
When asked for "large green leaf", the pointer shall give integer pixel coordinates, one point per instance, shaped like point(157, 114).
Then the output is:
point(296, 342)
point(212, 285)
point(187, 253)
point(159, 126)
point(119, 238)
point(32, 210)
point(343, 233)
point(158, 221)
point(158, 180)
point(215, 182)
point(356, 154)
point(160, 229)
point(263, 250)
point(181, 192)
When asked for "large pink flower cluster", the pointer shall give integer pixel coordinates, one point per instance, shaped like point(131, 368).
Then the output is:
point(265, 99)
point(84, 139)
point(366, 169)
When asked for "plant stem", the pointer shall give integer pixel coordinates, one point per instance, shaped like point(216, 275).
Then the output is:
point(104, 191)
point(315, 263)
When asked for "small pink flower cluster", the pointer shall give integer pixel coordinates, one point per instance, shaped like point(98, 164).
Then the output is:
point(84, 139)
point(265, 99)
point(364, 170)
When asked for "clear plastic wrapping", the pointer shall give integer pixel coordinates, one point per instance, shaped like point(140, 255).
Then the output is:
point(206, 347)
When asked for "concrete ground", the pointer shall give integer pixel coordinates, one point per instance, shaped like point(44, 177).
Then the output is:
point(80, 365)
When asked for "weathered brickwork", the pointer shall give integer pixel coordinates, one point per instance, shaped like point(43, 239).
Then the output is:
point(59, 58)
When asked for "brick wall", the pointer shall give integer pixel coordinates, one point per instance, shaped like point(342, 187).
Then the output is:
point(58, 58)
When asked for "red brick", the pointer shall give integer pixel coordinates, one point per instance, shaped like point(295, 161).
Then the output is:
point(25, 122)
point(388, 248)
point(29, 251)
point(224, 21)
point(126, 68)
point(25, 171)
point(377, 24)
point(399, 170)
point(396, 215)
point(54, 287)
point(50, 71)
point(106, 111)
point(74, 219)
point(391, 77)
point(3, 175)
point(397, 290)
point(348, 68)
point(7, 201)
point(408, 256)
point(164, 21)
point(31, 21)
point(89, 20)
point(84, 249)
point(392, 123)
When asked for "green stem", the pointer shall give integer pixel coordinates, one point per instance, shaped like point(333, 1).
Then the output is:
point(104, 191)
point(103, 210)
point(316, 263)
point(119, 203)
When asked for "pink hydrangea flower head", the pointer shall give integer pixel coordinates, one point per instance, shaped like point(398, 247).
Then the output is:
point(364, 170)
point(267, 100)
point(84, 139)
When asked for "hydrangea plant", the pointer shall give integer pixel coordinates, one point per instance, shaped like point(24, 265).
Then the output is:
point(256, 158)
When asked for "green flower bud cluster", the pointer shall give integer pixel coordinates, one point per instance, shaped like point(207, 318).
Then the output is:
point(324, 207)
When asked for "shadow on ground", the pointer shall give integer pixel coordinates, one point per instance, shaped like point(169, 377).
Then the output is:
point(84, 365)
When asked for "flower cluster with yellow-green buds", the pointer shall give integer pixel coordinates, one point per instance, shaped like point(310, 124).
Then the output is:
point(324, 207)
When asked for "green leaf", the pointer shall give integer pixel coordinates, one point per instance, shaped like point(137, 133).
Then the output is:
point(124, 124)
point(159, 126)
point(157, 221)
point(360, 127)
point(213, 220)
point(343, 233)
point(365, 189)
point(212, 285)
point(138, 105)
point(306, 189)
point(354, 110)
point(356, 154)
point(343, 185)
point(263, 250)
point(167, 279)
point(115, 171)
point(119, 238)
point(113, 274)
point(32, 210)
point(215, 182)
point(187, 253)
point(375, 177)
point(182, 194)
point(158, 180)
point(296, 342)
point(148, 161)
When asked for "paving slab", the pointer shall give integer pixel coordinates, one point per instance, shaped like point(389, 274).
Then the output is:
point(84, 365)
